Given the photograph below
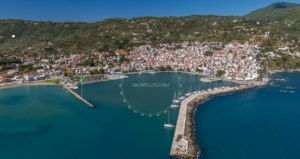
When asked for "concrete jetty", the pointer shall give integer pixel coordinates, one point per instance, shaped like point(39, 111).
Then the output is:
point(184, 144)
point(77, 96)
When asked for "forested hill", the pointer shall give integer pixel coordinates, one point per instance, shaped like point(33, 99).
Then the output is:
point(272, 11)
point(110, 34)
point(292, 15)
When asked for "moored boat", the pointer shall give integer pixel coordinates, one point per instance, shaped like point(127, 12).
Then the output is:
point(174, 106)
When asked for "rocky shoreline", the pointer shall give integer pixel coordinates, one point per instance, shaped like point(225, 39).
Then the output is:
point(193, 149)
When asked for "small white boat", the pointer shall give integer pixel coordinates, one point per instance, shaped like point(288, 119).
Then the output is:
point(188, 94)
point(175, 106)
point(140, 72)
point(182, 98)
point(124, 76)
point(152, 72)
point(176, 101)
point(169, 125)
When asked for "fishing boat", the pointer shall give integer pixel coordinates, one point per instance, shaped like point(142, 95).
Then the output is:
point(175, 100)
point(175, 106)
point(168, 124)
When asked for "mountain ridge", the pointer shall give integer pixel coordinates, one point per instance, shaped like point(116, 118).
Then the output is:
point(271, 11)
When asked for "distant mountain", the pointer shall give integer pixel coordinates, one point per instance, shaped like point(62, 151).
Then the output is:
point(291, 15)
point(272, 11)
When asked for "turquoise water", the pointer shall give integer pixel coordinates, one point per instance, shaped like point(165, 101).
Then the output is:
point(261, 123)
point(48, 122)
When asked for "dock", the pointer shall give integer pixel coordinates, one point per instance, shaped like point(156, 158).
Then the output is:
point(184, 144)
point(78, 96)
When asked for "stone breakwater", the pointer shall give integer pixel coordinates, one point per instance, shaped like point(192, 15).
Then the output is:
point(184, 144)
point(77, 96)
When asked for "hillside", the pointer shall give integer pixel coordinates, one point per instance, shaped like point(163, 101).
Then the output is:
point(110, 34)
point(272, 11)
point(292, 15)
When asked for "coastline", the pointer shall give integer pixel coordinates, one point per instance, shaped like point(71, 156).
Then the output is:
point(187, 134)
point(25, 85)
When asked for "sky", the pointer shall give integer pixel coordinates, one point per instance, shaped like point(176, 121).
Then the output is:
point(97, 10)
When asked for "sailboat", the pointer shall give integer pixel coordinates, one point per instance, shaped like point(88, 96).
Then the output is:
point(175, 106)
point(181, 97)
point(169, 125)
point(188, 94)
point(175, 100)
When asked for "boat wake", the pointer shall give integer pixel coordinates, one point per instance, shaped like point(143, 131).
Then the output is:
point(272, 84)
point(280, 79)
point(290, 88)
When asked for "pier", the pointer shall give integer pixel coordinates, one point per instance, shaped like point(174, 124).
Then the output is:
point(184, 144)
point(78, 96)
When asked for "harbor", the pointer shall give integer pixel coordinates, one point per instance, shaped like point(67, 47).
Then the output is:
point(184, 144)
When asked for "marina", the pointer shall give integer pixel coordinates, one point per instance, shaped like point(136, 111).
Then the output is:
point(111, 111)
point(184, 145)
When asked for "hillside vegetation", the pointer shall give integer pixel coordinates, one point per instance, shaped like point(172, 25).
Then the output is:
point(292, 15)
point(108, 35)
point(272, 11)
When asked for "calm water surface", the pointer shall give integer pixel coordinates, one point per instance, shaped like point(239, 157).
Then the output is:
point(261, 123)
point(48, 122)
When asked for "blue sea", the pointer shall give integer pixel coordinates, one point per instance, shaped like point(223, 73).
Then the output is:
point(127, 122)
point(257, 124)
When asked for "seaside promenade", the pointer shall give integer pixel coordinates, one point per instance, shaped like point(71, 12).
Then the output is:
point(184, 145)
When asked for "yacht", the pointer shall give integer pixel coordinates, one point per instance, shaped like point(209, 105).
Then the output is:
point(152, 72)
point(169, 125)
point(174, 106)
point(188, 94)
point(182, 98)
point(175, 100)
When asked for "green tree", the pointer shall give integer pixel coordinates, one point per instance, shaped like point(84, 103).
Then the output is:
point(101, 70)
point(220, 72)
point(199, 70)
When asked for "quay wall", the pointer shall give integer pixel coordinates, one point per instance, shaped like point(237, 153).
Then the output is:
point(77, 96)
point(184, 144)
